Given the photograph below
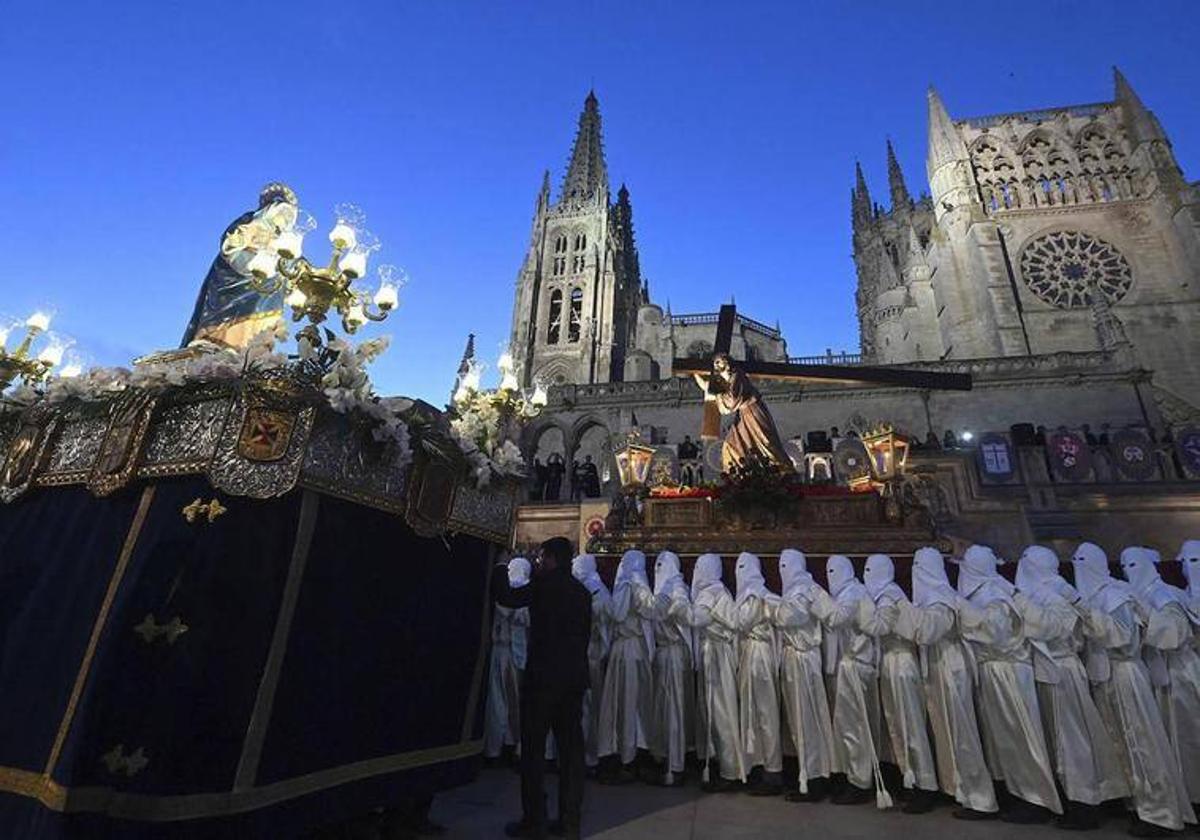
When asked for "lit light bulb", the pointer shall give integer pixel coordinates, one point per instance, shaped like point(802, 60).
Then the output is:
point(39, 321)
point(263, 264)
point(505, 362)
point(290, 244)
point(509, 381)
point(539, 397)
point(463, 393)
point(281, 215)
point(387, 297)
point(350, 220)
point(968, 436)
point(342, 236)
point(354, 264)
point(296, 299)
point(472, 377)
point(355, 316)
point(4, 331)
point(70, 371)
point(52, 354)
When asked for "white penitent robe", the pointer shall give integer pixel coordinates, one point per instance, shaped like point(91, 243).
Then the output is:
point(626, 703)
point(1014, 740)
point(949, 684)
point(901, 687)
point(672, 727)
point(1083, 751)
point(718, 729)
point(1124, 696)
point(850, 652)
point(584, 570)
point(802, 686)
point(1169, 648)
point(502, 715)
point(758, 691)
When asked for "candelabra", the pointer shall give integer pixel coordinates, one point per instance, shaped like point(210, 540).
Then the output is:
point(21, 362)
point(509, 399)
point(311, 290)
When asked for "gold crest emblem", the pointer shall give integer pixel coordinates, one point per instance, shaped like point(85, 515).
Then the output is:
point(22, 453)
point(266, 433)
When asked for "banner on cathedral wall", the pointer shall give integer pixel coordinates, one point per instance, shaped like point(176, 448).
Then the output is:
point(1133, 454)
point(1187, 448)
point(995, 457)
point(1069, 455)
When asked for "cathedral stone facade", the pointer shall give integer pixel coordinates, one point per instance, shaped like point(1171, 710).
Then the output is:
point(582, 312)
point(1055, 258)
point(1042, 231)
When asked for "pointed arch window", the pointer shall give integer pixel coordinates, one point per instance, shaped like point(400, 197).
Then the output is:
point(554, 331)
point(576, 319)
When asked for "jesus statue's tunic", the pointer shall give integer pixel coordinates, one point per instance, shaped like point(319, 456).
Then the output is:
point(753, 436)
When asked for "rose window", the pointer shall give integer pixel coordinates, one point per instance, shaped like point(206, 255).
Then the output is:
point(1063, 268)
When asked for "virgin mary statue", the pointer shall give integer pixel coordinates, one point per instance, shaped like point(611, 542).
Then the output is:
point(752, 436)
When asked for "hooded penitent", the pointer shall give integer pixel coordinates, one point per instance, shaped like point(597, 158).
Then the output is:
point(668, 578)
point(750, 580)
point(705, 576)
point(519, 570)
point(978, 578)
point(583, 568)
point(1140, 566)
point(1189, 560)
point(796, 580)
point(1038, 577)
point(1094, 582)
point(879, 576)
point(632, 569)
point(839, 572)
point(929, 582)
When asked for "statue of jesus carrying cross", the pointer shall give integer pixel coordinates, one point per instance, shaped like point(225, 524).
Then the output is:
point(729, 389)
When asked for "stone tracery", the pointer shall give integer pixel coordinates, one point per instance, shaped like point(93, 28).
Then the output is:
point(1065, 267)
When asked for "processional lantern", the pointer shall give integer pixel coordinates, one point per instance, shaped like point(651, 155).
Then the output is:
point(633, 461)
point(888, 452)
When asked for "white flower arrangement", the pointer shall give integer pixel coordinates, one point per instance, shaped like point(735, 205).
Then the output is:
point(483, 428)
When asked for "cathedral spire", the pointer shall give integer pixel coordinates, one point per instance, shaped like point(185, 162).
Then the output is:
point(464, 366)
point(945, 143)
point(900, 197)
point(860, 198)
point(587, 174)
point(1142, 124)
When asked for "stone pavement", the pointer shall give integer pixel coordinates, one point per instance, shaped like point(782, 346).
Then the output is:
point(634, 812)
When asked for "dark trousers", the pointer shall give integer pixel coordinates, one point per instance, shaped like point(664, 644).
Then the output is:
point(543, 711)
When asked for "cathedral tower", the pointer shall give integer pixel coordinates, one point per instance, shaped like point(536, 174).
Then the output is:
point(1031, 215)
point(579, 289)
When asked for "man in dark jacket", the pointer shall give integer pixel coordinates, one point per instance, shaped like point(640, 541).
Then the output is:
point(555, 679)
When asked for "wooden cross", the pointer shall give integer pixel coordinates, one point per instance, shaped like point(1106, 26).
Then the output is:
point(849, 374)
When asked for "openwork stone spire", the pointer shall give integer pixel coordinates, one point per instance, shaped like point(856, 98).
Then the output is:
point(945, 144)
point(860, 198)
point(900, 197)
point(587, 174)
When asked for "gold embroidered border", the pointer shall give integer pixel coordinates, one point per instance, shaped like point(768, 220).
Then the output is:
point(114, 583)
point(138, 806)
point(260, 718)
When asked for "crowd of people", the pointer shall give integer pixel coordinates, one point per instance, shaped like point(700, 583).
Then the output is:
point(1031, 700)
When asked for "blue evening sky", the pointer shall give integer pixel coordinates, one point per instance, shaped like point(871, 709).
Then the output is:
point(133, 132)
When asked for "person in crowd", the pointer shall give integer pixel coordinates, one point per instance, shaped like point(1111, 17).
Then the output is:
point(1015, 743)
point(688, 451)
point(758, 690)
point(1083, 752)
point(1105, 432)
point(502, 715)
point(583, 568)
point(949, 440)
point(718, 729)
point(1170, 652)
point(674, 692)
point(1125, 698)
point(1089, 436)
point(591, 478)
point(556, 468)
point(851, 656)
point(802, 688)
point(931, 441)
point(552, 687)
point(627, 704)
point(537, 492)
point(949, 680)
point(901, 687)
